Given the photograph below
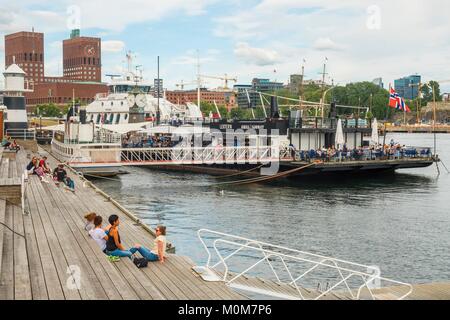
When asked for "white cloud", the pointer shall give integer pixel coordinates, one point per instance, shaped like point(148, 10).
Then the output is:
point(112, 46)
point(191, 57)
point(101, 14)
point(256, 56)
point(412, 38)
point(324, 44)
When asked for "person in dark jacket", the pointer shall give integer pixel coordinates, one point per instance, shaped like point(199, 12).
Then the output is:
point(60, 175)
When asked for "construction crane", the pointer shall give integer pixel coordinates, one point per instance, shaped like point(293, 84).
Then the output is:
point(225, 78)
point(182, 84)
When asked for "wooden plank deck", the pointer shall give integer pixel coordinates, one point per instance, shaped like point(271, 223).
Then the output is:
point(56, 242)
point(57, 247)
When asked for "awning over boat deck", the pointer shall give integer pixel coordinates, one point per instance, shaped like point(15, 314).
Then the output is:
point(58, 127)
point(183, 130)
point(125, 128)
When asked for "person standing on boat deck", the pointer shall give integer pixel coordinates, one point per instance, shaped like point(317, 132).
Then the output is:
point(98, 234)
point(158, 253)
point(114, 245)
point(293, 151)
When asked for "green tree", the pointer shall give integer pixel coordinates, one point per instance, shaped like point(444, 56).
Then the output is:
point(49, 110)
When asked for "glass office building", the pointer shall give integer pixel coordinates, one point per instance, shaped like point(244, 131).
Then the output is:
point(408, 87)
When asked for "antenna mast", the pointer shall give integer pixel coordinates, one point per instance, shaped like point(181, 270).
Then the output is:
point(199, 80)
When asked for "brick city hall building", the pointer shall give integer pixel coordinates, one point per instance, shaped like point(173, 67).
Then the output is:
point(27, 49)
point(82, 58)
point(82, 71)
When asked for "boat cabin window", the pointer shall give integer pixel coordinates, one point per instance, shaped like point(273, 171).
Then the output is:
point(111, 118)
point(118, 118)
point(126, 116)
point(98, 118)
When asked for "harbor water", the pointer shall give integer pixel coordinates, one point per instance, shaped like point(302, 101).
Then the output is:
point(400, 222)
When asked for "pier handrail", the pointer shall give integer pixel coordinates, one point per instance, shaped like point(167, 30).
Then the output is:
point(346, 269)
point(22, 134)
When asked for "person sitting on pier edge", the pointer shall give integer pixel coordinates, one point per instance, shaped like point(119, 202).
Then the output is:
point(90, 218)
point(114, 245)
point(60, 175)
point(44, 165)
point(98, 234)
point(159, 249)
point(5, 142)
point(14, 146)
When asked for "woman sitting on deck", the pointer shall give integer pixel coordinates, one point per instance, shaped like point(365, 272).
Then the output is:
point(159, 249)
point(32, 165)
point(90, 221)
point(98, 234)
point(114, 245)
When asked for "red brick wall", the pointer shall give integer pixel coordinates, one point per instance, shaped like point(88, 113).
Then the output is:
point(61, 93)
point(182, 97)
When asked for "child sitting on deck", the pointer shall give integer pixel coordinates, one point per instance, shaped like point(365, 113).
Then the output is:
point(158, 253)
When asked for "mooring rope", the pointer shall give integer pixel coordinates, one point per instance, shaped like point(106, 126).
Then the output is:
point(100, 177)
point(445, 166)
point(240, 173)
point(261, 179)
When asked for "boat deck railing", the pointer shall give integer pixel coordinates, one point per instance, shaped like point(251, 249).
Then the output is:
point(21, 134)
point(235, 259)
point(366, 155)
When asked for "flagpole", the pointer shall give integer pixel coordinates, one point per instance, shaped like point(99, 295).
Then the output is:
point(404, 115)
point(385, 119)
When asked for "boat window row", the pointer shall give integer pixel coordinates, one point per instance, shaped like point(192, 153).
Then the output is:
point(63, 150)
point(128, 88)
point(107, 118)
point(112, 103)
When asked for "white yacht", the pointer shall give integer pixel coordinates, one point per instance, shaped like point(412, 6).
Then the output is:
point(132, 91)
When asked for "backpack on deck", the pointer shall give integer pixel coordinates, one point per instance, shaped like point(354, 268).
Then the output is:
point(140, 262)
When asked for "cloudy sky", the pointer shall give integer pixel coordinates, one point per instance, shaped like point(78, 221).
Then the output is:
point(362, 39)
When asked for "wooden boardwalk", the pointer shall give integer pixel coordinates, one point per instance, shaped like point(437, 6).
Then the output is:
point(49, 248)
point(43, 250)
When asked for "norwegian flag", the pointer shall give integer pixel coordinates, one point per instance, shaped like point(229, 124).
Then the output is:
point(397, 102)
